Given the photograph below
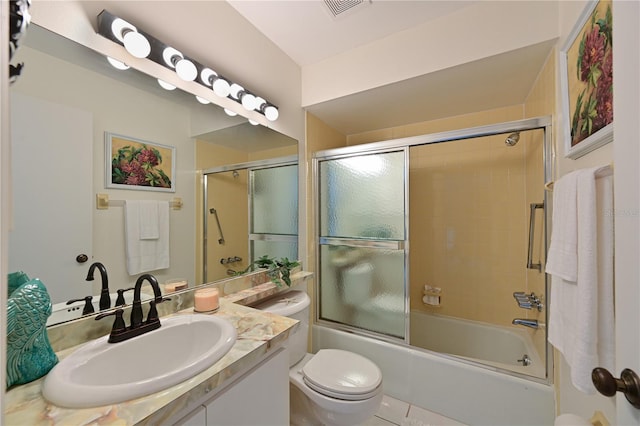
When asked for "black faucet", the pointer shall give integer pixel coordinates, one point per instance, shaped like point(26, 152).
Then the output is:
point(136, 309)
point(105, 298)
point(120, 332)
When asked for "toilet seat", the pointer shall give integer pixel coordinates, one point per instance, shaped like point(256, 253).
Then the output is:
point(343, 375)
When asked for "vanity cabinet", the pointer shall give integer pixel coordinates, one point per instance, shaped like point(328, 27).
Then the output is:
point(258, 397)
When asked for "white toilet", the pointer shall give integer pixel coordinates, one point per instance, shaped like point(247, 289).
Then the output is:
point(332, 387)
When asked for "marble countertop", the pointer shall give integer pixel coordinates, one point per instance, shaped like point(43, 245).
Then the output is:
point(259, 333)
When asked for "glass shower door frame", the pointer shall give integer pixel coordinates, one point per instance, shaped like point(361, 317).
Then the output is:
point(343, 153)
point(544, 123)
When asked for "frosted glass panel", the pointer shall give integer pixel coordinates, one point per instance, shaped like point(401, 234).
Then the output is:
point(274, 249)
point(363, 287)
point(274, 198)
point(363, 197)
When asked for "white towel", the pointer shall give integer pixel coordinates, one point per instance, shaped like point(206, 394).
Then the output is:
point(143, 255)
point(148, 216)
point(581, 310)
point(562, 259)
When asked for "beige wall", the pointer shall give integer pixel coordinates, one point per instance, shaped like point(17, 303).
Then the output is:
point(266, 154)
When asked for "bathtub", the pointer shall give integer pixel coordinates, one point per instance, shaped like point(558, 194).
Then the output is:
point(471, 394)
point(489, 344)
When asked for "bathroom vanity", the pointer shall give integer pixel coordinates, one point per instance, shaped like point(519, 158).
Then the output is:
point(253, 373)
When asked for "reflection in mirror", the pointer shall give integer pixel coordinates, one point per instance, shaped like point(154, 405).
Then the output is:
point(259, 199)
point(66, 99)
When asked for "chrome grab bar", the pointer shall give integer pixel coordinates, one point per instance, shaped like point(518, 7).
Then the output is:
point(532, 221)
point(215, 213)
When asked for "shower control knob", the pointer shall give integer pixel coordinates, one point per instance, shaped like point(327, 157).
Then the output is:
point(628, 383)
point(82, 258)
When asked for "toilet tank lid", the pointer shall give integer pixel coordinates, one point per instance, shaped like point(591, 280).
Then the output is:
point(286, 304)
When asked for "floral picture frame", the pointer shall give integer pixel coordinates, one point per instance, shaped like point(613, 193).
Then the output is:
point(140, 165)
point(586, 62)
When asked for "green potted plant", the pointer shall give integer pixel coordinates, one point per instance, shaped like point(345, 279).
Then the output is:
point(278, 270)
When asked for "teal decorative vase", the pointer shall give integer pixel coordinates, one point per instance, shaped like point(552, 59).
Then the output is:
point(15, 280)
point(29, 353)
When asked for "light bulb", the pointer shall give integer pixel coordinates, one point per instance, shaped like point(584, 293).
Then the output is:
point(207, 76)
point(253, 122)
point(169, 54)
point(203, 101)
point(248, 101)
point(221, 87)
point(260, 103)
point(165, 85)
point(136, 44)
point(235, 91)
point(186, 70)
point(117, 64)
point(230, 113)
point(271, 113)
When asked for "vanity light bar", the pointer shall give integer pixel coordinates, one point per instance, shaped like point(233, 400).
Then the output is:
point(142, 45)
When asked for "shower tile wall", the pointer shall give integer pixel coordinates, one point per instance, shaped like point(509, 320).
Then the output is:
point(468, 225)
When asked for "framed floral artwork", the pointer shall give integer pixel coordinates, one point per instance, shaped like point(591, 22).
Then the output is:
point(586, 63)
point(136, 164)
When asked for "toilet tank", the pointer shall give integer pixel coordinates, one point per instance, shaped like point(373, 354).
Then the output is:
point(293, 304)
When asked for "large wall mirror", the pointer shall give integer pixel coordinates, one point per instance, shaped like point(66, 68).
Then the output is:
point(66, 100)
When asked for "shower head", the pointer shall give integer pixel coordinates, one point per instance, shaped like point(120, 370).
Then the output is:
point(512, 139)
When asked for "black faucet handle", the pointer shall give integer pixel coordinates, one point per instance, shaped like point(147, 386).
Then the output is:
point(152, 316)
point(118, 324)
point(120, 299)
point(88, 305)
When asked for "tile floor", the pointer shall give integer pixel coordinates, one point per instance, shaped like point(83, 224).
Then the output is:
point(399, 413)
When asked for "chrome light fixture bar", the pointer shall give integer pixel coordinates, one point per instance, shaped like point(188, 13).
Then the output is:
point(143, 45)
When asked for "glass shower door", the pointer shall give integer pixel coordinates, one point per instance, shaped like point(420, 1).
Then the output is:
point(273, 228)
point(362, 234)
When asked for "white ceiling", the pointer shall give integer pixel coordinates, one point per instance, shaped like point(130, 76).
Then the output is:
point(307, 32)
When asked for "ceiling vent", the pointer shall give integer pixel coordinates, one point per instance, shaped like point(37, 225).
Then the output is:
point(339, 8)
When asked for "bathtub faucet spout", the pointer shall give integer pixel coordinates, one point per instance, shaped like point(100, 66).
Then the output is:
point(526, 322)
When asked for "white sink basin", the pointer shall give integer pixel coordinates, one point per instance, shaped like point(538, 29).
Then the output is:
point(101, 373)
